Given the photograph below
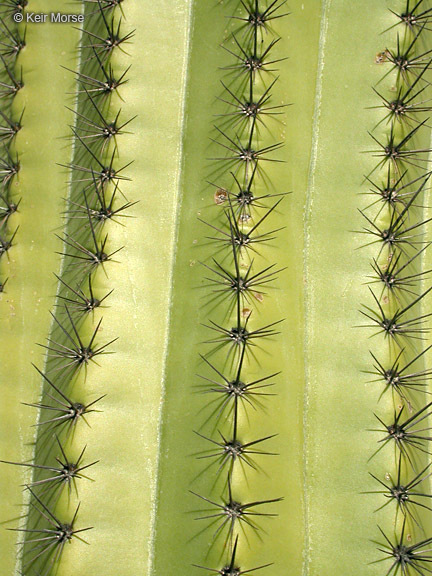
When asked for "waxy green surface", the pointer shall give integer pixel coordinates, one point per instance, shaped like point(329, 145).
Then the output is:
point(341, 523)
point(139, 501)
point(181, 539)
point(120, 501)
point(29, 293)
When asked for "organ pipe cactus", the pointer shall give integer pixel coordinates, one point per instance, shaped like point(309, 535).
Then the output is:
point(215, 287)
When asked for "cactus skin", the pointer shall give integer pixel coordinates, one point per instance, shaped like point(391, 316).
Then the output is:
point(125, 478)
point(139, 503)
point(156, 217)
point(340, 402)
point(29, 291)
point(282, 541)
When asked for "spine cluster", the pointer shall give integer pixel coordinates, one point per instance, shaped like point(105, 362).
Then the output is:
point(12, 41)
point(242, 225)
point(399, 286)
point(95, 204)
